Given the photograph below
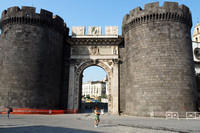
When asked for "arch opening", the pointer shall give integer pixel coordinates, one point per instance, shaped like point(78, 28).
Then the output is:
point(75, 92)
point(93, 89)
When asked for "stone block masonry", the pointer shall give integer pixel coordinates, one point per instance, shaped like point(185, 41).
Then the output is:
point(31, 53)
point(159, 74)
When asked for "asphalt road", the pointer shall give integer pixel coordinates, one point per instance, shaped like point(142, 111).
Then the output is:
point(84, 123)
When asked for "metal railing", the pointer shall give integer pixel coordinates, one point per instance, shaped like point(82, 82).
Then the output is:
point(172, 115)
point(192, 115)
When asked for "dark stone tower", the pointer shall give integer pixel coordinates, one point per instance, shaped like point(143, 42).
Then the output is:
point(31, 57)
point(157, 70)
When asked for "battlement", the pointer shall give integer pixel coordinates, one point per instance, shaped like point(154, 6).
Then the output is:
point(153, 12)
point(28, 15)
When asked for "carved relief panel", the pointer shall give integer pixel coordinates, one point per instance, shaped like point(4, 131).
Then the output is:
point(94, 50)
point(78, 30)
point(111, 30)
point(94, 30)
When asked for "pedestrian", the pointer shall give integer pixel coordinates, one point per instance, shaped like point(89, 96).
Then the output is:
point(96, 116)
point(9, 109)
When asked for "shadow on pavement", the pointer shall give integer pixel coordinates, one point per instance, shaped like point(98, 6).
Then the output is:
point(43, 129)
point(8, 126)
point(109, 125)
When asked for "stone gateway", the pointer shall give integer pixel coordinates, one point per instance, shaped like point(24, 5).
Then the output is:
point(150, 67)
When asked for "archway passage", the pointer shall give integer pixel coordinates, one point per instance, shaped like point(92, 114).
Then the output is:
point(86, 52)
point(79, 74)
point(94, 90)
point(74, 95)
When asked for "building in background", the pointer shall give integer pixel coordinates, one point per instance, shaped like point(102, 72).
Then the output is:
point(196, 33)
point(196, 56)
point(196, 48)
point(94, 88)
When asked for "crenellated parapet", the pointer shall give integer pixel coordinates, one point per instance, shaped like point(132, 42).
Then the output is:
point(170, 11)
point(27, 15)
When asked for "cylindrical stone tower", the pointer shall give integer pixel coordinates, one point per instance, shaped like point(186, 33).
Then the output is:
point(31, 55)
point(157, 69)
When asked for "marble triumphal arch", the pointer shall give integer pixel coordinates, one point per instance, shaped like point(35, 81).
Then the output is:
point(94, 49)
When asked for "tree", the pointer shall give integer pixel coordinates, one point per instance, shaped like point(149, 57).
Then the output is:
point(88, 96)
point(104, 96)
point(99, 99)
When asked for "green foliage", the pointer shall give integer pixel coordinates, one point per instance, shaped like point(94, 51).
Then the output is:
point(104, 96)
point(88, 96)
point(127, 18)
point(123, 26)
point(99, 99)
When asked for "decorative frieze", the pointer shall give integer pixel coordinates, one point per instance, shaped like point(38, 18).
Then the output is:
point(111, 30)
point(94, 31)
point(78, 30)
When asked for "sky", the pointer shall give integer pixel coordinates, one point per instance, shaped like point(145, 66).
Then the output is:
point(95, 13)
point(94, 73)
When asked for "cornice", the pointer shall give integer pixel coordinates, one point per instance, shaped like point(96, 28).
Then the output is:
point(95, 41)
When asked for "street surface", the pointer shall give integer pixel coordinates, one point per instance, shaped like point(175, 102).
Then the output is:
point(83, 123)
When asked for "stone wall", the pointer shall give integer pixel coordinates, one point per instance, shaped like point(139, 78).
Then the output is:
point(31, 56)
point(157, 69)
point(65, 77)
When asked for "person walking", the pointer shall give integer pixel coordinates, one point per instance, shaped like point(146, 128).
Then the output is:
point(96, 116)
point(9, 109)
